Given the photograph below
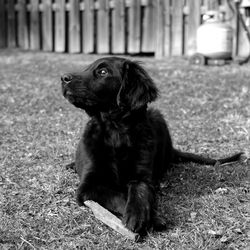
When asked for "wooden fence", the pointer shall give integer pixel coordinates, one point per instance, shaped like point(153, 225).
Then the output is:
point(162, 27)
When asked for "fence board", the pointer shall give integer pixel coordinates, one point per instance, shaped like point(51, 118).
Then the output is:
point(177, 24)
point(88, 27)
point(60, 26)
point(134, 33)
point(3, 31)
point(118, 27)
point(148, 35)
point(103, 27)
point(211, 4)
point(74, 27)
point(34, 25)
point(193, 22)
point(11, 24)
point(234, 22)
point(22, 25)
point(159, 44)
point(167, 27)
point(244, 47)
point(47, 25)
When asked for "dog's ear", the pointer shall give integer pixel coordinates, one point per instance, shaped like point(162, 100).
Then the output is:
point(137, 88)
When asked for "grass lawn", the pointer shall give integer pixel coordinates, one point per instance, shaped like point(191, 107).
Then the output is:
point(208, 112)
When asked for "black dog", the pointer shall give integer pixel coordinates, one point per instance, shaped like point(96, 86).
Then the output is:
point(126, 147)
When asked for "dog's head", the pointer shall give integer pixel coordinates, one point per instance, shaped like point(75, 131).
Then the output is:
point(109, 84)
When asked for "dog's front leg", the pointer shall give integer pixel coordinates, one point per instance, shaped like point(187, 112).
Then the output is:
point(139, 207)
point(91, 189)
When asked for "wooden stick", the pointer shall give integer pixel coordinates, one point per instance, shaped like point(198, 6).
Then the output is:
point(110, 220)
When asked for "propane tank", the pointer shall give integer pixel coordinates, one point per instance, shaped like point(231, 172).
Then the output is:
point(215, 37)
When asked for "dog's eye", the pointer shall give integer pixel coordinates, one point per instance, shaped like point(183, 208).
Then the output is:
point(102, 72)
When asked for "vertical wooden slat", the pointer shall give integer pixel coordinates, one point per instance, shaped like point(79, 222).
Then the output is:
point(74, 27)
point(233, 21)
point(243, 49)
point(118, 27)
point(167, 27)
point(148, 28)
point(163, 28)
point(88, 27)
point(193, 22)
point(177, 28)
point(160, 22)
point(34, 25)
point(11, 24)
point(60, 26)
point(3, 25)
point(211, 4)
point(22, 25)
point(134, 30)
point(103, 27)
point(47, 35)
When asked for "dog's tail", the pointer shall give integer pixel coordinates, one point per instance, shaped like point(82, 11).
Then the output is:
point(183, 157)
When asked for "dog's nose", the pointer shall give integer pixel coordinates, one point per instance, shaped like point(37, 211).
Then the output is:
point(67, 78)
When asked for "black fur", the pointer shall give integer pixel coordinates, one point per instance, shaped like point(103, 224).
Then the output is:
point(126, 147)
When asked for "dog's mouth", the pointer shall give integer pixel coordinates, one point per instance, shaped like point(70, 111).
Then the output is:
point(79, 101)
point(69, 95)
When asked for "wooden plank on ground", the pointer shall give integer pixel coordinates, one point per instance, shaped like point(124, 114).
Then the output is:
point(34, 25)
point(88, 27)
point(11, 24)
point(193, 22)
point(60, 26)
point(22, 25)
point(74, 27)
point(47, 29)
point(148, 27)
point(3, 30)
point(134, 22)
point(103, 27)
point(177, 28)
point(118, 27)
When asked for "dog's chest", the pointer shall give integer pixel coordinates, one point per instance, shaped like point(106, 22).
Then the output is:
point(118, 147)
point(117, 139)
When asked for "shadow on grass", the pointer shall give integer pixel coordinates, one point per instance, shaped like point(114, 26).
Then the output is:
point(184, 185)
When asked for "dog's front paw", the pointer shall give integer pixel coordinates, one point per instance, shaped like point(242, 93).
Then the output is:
point(82, 194)
point(137, 217)
point(80, 198)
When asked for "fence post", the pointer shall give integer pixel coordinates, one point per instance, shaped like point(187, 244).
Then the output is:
point(3, 34)
point(103, 26)
point(194, 19)
point(22, 32)
point(134, 31)
point(47, 25)
point(177, 27)
point(148, 27)
point(34, 25)
point(163, 28)
point(118, 27)
point(88, 27)
point(74, 27)
point(60, 26)
point(11, 24)
point(159, 45)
